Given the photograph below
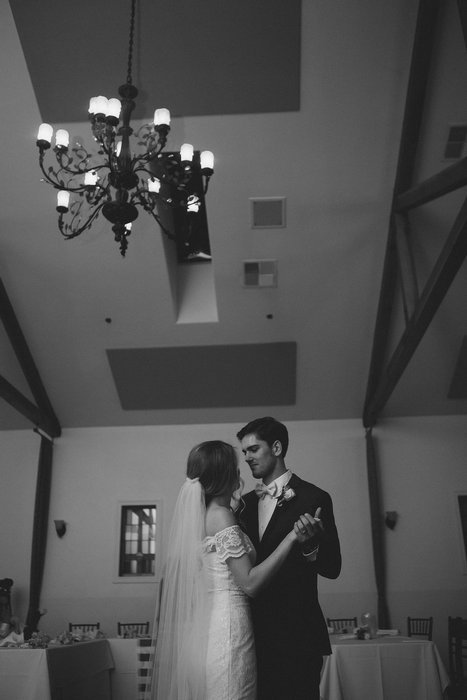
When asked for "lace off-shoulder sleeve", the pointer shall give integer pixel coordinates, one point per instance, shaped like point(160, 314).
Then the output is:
point(231, 542)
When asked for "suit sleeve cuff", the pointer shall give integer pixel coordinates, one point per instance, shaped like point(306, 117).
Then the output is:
point(311, 556)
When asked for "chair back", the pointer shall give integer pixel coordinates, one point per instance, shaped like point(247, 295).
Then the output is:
point(85, 627)
point(457, 651)
point(342, 624)
point(132, 629)
point(420, 627)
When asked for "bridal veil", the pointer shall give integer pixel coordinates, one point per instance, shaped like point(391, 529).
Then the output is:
point(180, 656)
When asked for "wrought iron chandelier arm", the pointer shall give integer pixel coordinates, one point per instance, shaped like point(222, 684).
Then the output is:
point(73, 228)
point(95, 194)
point(115, 184)
point(56, 178)
point(148, 202)
point(153, 139)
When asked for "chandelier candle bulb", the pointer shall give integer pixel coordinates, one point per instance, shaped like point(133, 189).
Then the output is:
point(90, 178)
point(162, 117)
point(92, 105)
point(62, 138)
point(186, 152)
point(154, 185)
point(118, 180)
point(63, 201)
point(207, 160)
point(45, 133)
point(114, 108)
point(101, 105)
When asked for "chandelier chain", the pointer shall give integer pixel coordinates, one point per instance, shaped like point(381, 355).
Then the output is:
point(116, 182)
point(130, 43)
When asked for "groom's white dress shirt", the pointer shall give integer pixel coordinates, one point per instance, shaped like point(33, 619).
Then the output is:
point(268, 503)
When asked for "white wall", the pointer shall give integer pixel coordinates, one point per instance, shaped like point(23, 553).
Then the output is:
point(422, 465)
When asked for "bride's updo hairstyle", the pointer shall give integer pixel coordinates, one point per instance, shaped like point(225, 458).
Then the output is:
point(215, 464)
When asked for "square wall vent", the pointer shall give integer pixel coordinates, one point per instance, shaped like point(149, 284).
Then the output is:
point(267, 212)
point(260, 273)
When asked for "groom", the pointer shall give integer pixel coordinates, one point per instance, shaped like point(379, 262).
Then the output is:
point(290, 631)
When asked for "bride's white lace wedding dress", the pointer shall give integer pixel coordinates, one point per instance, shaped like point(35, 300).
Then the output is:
point(231, 662)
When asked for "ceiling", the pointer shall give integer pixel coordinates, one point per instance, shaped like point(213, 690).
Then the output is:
point(302, 101)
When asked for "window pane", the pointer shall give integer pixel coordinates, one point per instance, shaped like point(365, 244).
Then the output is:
point(138, 541)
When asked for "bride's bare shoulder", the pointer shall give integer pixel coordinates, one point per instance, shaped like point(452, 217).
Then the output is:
point(218, 518)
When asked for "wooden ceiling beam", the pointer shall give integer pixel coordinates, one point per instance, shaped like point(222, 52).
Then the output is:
point(448, 180)
point(407, 271)
point(24, 406)
point(383, 321)
point(30, 371)
point(445, 269)
point(424, 39)
point(462, 8)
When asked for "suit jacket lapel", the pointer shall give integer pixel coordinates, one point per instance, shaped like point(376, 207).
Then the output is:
point(251, 518)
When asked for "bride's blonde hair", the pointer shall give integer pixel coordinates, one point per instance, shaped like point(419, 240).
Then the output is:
point(215, 464)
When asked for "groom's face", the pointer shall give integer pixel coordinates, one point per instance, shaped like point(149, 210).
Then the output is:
point(260, 457)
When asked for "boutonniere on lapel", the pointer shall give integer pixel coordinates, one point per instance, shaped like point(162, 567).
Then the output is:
point(285, 495)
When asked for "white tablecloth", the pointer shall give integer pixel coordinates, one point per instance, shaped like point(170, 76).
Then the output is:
point(132, 660)
point(24, 674)
point(124, 676)
point(386, 668)
point(76, 672)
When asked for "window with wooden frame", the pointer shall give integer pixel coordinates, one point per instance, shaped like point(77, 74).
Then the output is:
point(138, 538)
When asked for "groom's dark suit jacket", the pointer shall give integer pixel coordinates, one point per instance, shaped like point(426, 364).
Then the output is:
point(287, 617)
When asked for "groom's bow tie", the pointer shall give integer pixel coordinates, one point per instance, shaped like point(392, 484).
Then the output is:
point(262, 490)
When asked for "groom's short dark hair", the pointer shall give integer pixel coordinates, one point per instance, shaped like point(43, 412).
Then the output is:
point(268, 429)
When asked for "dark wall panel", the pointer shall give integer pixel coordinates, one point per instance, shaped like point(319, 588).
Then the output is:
point(205, 376)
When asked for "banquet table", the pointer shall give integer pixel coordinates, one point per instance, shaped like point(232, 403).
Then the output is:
point(78, 671)
point(384, 668)
point(124, 676)
point(132, 661)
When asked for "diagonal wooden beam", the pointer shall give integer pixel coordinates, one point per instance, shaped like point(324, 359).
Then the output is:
point(28, 366)
point(462, 8)
point(19, 402)
point(383, 320)
point(424, 38)
point(448, 180)
point(407, 272)
point(445, 269)
point(425, 32)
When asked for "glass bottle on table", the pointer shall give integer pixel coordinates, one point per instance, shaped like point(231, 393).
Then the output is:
point(369, 623)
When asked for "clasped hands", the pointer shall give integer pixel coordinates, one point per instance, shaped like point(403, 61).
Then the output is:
point(308, 529)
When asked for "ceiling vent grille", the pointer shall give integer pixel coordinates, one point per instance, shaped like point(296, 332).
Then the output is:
point(260, 273)
point(455, 142)
point(267, 212)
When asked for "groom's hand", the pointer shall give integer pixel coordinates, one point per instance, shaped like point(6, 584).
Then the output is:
point(308, 529)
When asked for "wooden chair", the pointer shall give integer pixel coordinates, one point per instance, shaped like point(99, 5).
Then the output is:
point(87, 627)
point(420, 627)
point(341, 624)
point(457, 652)
point(135, 629)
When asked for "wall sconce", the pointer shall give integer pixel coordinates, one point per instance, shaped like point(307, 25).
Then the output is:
point(391, 519)
point(60, 527)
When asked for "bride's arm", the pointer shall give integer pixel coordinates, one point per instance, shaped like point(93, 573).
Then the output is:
point(252, 579)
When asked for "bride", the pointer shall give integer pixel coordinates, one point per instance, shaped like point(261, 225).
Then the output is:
point(205, 646)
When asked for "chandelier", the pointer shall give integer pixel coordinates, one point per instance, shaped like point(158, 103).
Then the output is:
point(115, 181)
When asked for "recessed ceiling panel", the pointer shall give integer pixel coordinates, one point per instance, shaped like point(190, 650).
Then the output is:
point(262, 374)
point(210, 57)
